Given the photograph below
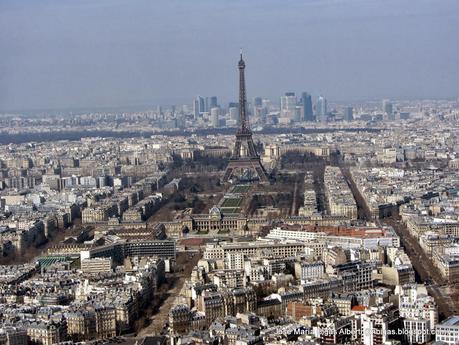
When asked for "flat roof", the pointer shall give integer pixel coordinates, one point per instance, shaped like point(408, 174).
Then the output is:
point(358, 232)
point(451, 321)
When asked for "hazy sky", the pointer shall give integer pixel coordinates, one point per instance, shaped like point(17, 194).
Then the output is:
point(97, 53)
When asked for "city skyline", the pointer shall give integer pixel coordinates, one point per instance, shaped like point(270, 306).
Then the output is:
point(302, 189)
point(91, 55)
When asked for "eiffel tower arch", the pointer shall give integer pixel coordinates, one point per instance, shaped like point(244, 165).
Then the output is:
point(244, 159)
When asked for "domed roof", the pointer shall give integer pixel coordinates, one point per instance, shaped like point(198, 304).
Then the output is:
point(215, 213)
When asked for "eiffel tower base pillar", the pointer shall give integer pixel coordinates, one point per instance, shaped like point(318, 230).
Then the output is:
point(241, 164)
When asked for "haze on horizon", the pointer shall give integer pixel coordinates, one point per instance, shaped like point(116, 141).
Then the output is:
point(109, 53)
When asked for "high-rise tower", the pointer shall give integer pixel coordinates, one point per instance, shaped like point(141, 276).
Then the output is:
point(245, 157)
point(388, 109)
point(321, 109)
point(288, 105)
point(202, 104)
point(306, 102)
point(348, 114)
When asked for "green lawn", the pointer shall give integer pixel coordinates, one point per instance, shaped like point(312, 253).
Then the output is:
point(241, 189)
point(231, 202)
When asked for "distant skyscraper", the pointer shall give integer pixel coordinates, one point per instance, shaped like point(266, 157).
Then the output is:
point(321, 109)
point(288, 105)
point(258, 102)
point(266, 103)
point(306, 102)
point(257, 106)
point(196, 109)
point(213, 102)
point(388, 108)
point(202, 104)
point(214, 117)
point(348, 113)
point(234, 113)
point(260, 113)
point(297, 114)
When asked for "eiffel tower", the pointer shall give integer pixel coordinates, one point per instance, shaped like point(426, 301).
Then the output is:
point(244, 158)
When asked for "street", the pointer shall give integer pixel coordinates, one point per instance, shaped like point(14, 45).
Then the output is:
point(426, 272)
point(446, 295)
point(166, 298)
